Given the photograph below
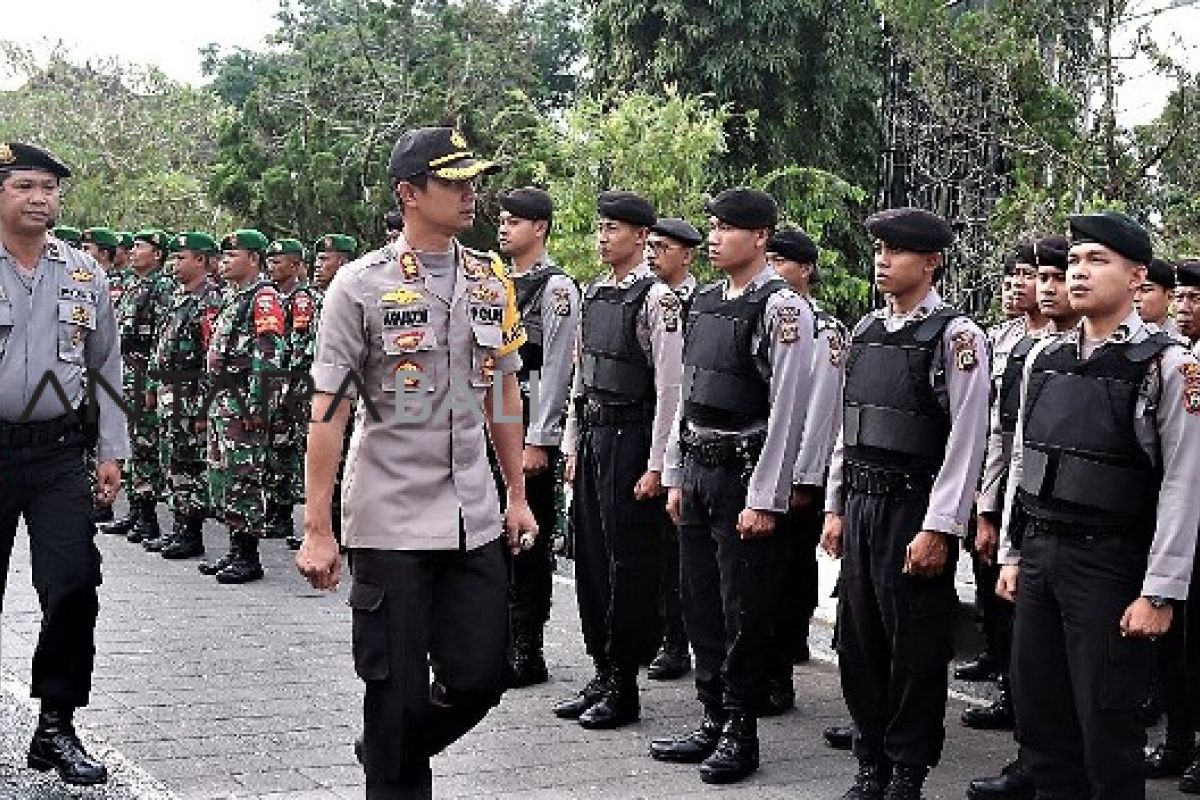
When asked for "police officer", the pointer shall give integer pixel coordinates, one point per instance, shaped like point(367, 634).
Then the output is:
point(549, 304)
point(1153, 298)
point(627, 383)
point(141, 315)
point(794, 257)
point(1108, 431)
point(670, 253)
point(56, 319)
point(729, 468)
point(901, 483)
point(183, 388)
point(1048, 256)
point(393, 225)
point(247, 342)
point(399, 328)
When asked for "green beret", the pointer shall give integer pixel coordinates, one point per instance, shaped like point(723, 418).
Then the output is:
point(105, 237)
point(286, 247)
point(70, 235)
point(337, 242)
point(245, 239)
point(125, 239)
point(196, 241)
point(154, 237)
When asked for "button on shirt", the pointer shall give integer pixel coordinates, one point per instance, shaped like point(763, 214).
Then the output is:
point(1168, 432)
point(430, 333)
point(59, 319)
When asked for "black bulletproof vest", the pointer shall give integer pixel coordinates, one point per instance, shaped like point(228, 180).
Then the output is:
point(1009, 398)
point(1082, 462)
point(893, 417)
point(613, 366)
point(530, 289)
point(722, 385)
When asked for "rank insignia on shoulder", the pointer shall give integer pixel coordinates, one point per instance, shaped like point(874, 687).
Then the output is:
point(965, 357)
point(81, 275)
point(485, 294)
point(410, 267)
point(560, 300)
point(671, 305)
point(268, 315)
point(837, 347)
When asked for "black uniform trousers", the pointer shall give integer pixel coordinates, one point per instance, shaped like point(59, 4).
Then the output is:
point(895, 632)
point(47, 486)
point(996, 612)
point(616, 546)
point(801, 530)
point(415, 611)
point(531, 572)
point(670, 603)
point(1178, 664)
point(731, 588)
point(1078, 683)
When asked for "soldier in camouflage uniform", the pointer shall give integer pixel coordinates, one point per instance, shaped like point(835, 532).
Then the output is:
point(182, 349)
point(285, 262)
point(247, 340)
point(118, 276)
point(141, 315)
point(101, 244)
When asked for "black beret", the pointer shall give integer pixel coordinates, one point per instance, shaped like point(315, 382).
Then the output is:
point(1023, 253)
point(626, 207)
point(527, 202)
point(1188, 272)
point(793, 245)
point(911, 229)
point(1161, 272)
point(744, 208)
point(17, 155)
point(679, 230)
point(1114, 230)
point(1051, 251)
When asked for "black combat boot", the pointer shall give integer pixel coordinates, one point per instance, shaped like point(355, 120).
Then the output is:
point(146, 524)
point(672, 661)
point(279, 521)
point(736, 755)
point(528, 662)
point(213, 567)
point(1190, 782)
point(839, 737)
point(294, 541)
point(245, 566)
point(189, 541)
point(1011, 784)
point(870, 782)
point(56, 746)
point(694, 746)
point(781, 695)
point(586, 697)
point(155, 544)
point(985, 667)
point(618, 706)
point(122, 526)
point(997, 715)
point(906, 782)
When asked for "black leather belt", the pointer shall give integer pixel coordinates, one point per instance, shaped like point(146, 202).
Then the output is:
point(599, 414)
point(876, 480)
point(35, 434)
point(715, 450)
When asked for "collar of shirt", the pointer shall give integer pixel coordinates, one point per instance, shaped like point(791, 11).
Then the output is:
point(894, 322)
point(50, 250)
point(1132, 329)
point(544, 262)
point(686, 287)
point(642, 270)
point(764, 274)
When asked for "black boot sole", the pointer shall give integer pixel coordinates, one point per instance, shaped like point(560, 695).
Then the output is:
point(41, 764)
point(723, 777)
point(697, 757)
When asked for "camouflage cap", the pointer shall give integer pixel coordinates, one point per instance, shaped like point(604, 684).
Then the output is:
point(196, 241)
point(337, 242)
point(245, 239)
point(68, 234)
point(105, 237)
point(153, 236)
point(293, 247)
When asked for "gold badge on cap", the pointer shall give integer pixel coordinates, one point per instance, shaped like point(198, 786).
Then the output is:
point(7, 156)
point(458, 140)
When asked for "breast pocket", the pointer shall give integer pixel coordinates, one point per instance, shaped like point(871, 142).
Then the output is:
point(76, 319)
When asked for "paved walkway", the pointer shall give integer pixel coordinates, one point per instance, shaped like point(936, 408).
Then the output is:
point(208, 691)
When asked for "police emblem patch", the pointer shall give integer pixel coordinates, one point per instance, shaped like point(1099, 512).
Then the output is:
point(458, 140)
point(965, 357)
point(409, 376)
point(560, 301)
point(1191, 387)
point(80, 315)
point(6, 154)
point(671, 307)
point(81, 275)
point(789, 330)
point(837, 347)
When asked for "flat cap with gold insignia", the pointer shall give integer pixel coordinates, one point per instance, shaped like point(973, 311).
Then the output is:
point(1118, 232)
point(441, 152)
point(104, 237)
point(627, 207)
point(912, 229)
point(196, 241)
point(18, 155)
point(68, 234)
point(245, 239)
point(153, 236)
point(337, 243)
point(288, 247)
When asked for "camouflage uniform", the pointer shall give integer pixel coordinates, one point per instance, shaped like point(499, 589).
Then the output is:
point(289, 419)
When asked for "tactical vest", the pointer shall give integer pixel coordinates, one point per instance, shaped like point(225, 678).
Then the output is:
point(531, 287)
point(613, 366)
point(1082, 463)
point(893, 417)
point(722, 385)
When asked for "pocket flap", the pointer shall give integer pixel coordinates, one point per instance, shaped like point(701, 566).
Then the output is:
point(365, 596)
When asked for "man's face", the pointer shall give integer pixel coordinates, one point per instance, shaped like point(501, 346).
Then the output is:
point(281, 268)
point(1187, 311)
point(29, 201)
point(123, 255)
point(619, 242)
point(97, 252)
point(328, 263)
point(1152, 302)
point(1100, 280)
point(731, 248)
point(796, 274)
point(190, 266)
point(238, 265)
point(1053, 298)
point(144, 256)
point(444, 206)
point(519, 236)
point(1025, 295)
point(667, 258)
point(1008, 295)
point(899, 271)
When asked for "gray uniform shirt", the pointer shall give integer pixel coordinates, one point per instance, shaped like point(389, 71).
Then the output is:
point(560, 323)
point(59, 319)
point(409, 329)
point(660, 334)
point(783, 352)
point(824, 418)
point(963, 356)
point(1167, 422)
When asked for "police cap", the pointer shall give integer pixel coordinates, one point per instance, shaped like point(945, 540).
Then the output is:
point(679, 230)
point(745, 208)
point(1116, 231)
point(18, 155)
point(1161, 272)
point(528, 202)
point(912, 229)
point(626, 207)
point(441, 152)
point(794, 245)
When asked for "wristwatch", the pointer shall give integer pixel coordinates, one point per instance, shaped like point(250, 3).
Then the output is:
point(1158, 601)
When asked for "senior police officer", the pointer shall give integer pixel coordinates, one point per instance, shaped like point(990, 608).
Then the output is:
point(1108, 431)
point(424, 322)
point(670, 252)
point(729, 468)
point(627, 385)
point(549, 304)
point(56, 319)
point(901, 483)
